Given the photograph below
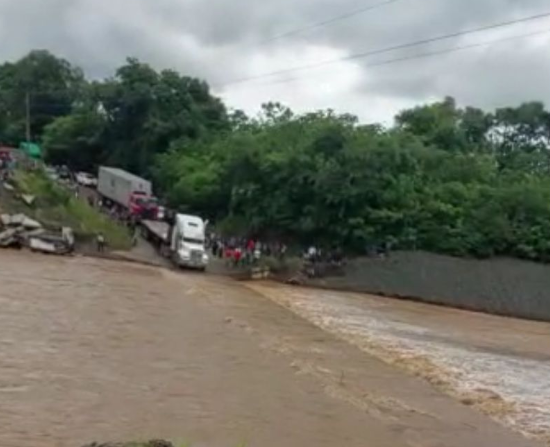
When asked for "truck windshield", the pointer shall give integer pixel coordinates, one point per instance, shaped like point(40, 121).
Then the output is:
point(190, 240)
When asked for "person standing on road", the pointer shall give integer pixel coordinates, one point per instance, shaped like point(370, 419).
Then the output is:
point(257, 254)
point(100, 242)
point(312, 253)
point(250, 249)
point(282, 251)
point(237, 256)
point(135, 236)
point(221, 248)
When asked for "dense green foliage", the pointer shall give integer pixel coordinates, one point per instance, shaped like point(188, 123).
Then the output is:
point(443, 178)
point(124, 121)
point(51, 85)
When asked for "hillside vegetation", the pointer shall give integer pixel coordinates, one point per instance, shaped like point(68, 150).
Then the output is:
point(57, 207)
point(443, 178)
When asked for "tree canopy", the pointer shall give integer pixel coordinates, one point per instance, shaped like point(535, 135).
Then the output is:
point(444, 178)
point(125, 120)
point(50, 85)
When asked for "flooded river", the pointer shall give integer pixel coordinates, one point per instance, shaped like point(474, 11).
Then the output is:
point(99, 350)
point(499, 365)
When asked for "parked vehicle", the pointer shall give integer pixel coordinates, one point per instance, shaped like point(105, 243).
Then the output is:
point(52, 174)
point(182, 239)
point(64, 173)
point(127, 191)
point(85, 179)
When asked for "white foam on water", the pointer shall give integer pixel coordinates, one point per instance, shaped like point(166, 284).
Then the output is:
point(522, 382)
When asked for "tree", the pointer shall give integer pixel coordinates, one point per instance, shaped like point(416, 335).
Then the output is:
point(76, 140)
point(49, 85)
point(437, 124)
point(147, 111)
point(320, 177)
point(131, 119)
point(444, 178)
point(521, 138)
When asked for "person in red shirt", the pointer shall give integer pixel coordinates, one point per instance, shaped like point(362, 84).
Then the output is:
point(228, 254)
point(237, 256)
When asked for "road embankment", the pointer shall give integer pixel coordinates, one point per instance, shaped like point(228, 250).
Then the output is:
point(508, 287)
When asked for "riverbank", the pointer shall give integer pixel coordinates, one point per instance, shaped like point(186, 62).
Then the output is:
point(500, 286)
point(500, 366)
point(54, 206)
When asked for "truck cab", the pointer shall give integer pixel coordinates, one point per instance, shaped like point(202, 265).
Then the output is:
point(188, 242)
point(142, 205)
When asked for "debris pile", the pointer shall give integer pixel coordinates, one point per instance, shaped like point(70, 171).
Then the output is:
point(27, 199)
point(19, 230)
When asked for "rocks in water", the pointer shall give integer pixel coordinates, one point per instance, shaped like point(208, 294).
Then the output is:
point(152, 443)
point(159, 443)
point(108, 444)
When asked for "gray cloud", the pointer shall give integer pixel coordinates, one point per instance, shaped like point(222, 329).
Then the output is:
point(222, 40)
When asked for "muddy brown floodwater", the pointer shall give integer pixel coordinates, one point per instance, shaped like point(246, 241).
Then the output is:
point(100, 350)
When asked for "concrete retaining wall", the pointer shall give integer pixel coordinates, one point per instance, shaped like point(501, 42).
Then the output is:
point(500, 286)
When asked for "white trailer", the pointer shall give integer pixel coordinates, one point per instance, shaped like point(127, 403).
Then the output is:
point(183, 241)
point(120, 186)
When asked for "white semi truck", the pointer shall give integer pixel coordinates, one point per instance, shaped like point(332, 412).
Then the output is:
point(181, 237)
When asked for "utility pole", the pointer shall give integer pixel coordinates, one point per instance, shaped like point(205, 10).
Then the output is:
point(28, 117)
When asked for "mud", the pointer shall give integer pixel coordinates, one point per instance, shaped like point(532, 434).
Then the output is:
point(101, 350)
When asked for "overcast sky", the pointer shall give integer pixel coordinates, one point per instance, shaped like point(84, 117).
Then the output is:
point(222, 41)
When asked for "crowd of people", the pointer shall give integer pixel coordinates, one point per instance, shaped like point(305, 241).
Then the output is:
point(244, 252)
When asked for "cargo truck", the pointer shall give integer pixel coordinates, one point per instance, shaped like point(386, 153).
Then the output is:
point(127, 191)
point(180, 237)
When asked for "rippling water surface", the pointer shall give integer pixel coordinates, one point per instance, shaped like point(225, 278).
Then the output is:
point(95, 350)
point(500, 365)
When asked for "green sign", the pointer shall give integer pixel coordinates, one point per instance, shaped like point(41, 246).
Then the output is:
point(32, 150)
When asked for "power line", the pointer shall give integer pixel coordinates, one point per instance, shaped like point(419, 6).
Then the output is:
point(327, 22)
point(389, 49)
point(426, 55)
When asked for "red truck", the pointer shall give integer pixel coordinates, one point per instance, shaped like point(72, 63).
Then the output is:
point(128, 191)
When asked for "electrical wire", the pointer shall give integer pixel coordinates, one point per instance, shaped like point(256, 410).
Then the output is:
point(328, 22)
point(425, 55)
point(388, 49)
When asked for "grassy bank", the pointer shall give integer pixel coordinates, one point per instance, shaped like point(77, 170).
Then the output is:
point(55, 206)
